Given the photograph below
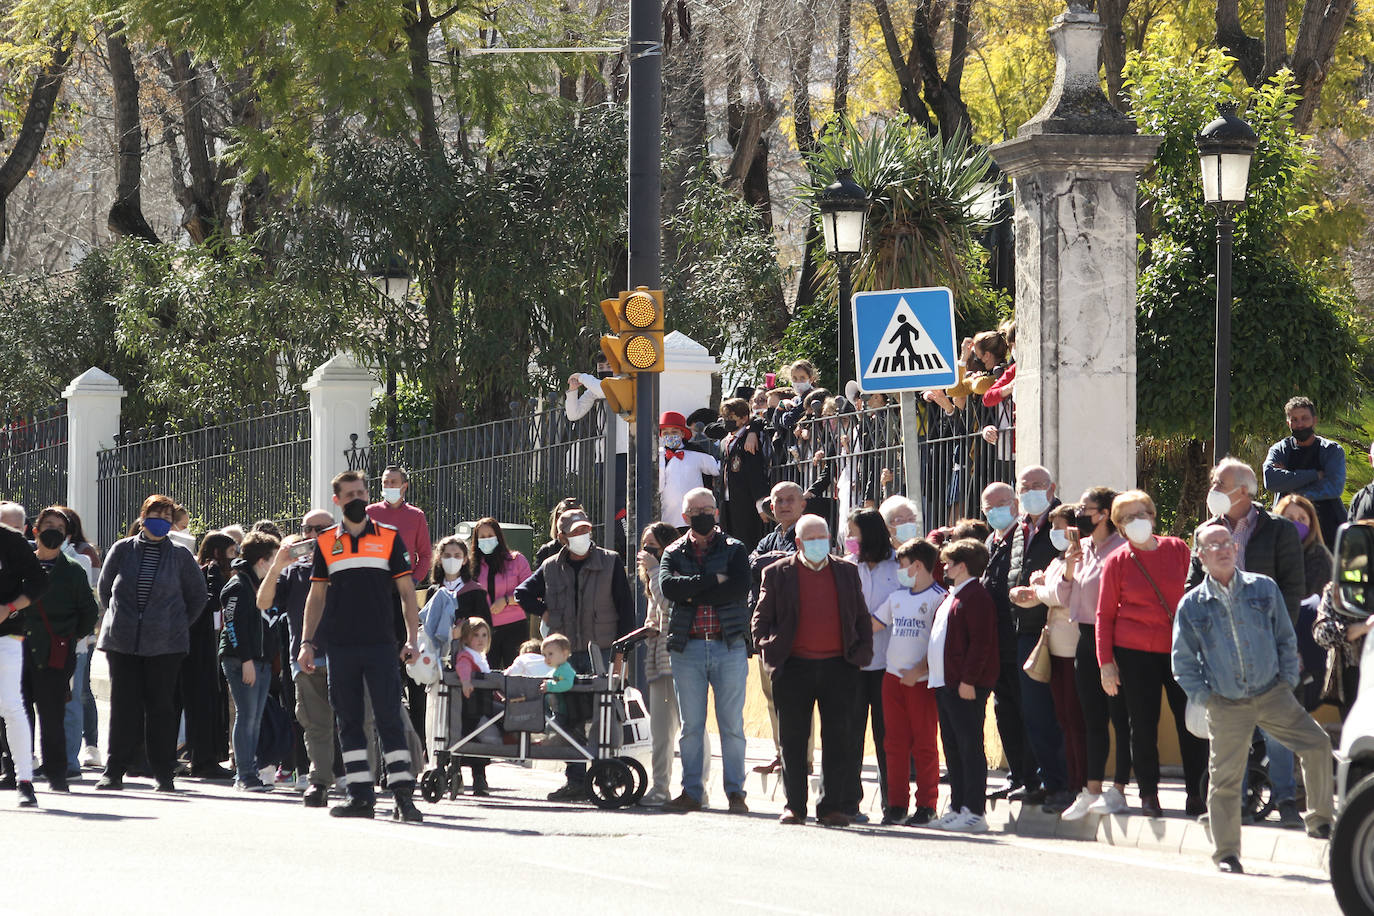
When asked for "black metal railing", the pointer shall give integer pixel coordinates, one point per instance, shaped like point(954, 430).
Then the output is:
point(513, 470)
point(862, 454)
point(253, 464)
point(33, 459)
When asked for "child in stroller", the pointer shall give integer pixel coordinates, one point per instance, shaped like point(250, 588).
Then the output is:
point(473, 638)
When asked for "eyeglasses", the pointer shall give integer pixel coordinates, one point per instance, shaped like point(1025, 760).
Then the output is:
point(315, 529)
point(1218, 546)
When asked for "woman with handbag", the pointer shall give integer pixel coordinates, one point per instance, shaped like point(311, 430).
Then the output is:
point(1059, 642)
point(1142, 585)
point(53, 625)
point(152, 591)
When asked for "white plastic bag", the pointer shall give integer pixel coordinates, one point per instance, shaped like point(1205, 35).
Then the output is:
point(425, 669)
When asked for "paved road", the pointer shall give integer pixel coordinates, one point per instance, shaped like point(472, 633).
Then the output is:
point(139, 852)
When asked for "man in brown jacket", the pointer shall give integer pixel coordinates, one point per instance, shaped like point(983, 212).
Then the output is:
point(813, 631)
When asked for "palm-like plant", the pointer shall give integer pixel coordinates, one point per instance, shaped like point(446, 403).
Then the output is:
point(923, 190)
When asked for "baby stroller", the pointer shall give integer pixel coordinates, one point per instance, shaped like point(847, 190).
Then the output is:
point(619, 724)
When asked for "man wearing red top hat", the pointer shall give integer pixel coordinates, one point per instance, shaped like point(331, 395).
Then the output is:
point(679, 469)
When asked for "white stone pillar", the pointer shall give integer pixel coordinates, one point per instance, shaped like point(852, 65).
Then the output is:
point(93, 401)
point(340, 406)
point(685, 384)
point(1074, 166)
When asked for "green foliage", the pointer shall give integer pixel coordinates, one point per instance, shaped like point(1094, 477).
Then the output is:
point(719, 291)
point(1290, 333)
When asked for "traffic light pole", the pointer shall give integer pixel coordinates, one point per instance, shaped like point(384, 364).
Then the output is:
point(646, 119)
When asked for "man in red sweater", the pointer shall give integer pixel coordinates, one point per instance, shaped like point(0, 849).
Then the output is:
point(813, 631)
point(408, 520)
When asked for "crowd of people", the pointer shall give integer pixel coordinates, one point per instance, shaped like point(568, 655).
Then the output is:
point(287, 653)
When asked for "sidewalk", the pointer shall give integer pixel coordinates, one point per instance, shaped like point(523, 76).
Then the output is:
point(1175, 832)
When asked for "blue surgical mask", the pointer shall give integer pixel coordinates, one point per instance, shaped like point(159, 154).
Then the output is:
point(999, 517)
point(815, 550)
point(905, 578)
point(1035, 502)
point(908, 530)
point(157, 527)
point(487, 545)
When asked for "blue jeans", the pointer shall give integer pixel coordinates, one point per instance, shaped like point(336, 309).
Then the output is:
point(1042, 727)
point(74, 718)
point(90, 722)
point(249, 702)
point(1282, 781)
point(724, 670)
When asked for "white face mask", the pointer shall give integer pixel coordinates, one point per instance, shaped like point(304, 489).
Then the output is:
point(1035, 502)
point(1219, 503)
point(1138, 530)
point(391, 494)
point(801, 387)
point(908, 530)
point(579, 544)
point(1059, 538)
point(487, 545)
point(452, 566)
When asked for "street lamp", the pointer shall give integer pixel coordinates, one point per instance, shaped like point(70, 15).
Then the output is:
point(844, 211)
point(1225, 147)
point(391, 279)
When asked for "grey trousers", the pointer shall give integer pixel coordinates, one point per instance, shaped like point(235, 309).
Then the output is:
point(316, 716)
point(1232, 725)
point(663, 726)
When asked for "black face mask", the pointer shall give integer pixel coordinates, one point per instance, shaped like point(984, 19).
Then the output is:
point(731, 425)
point(1085, 523)
point(51, 538)
point(1303, 433)
point(652, 551)
point(355, 510)
point(702, 524)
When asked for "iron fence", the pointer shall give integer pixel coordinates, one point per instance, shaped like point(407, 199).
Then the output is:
point(858, 459)
point(253, 464)
point(33, 459)
point(513, 470)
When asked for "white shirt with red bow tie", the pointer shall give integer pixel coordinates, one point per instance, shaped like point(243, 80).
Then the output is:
point(680, 471)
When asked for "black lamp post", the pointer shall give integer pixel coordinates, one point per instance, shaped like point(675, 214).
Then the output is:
point(391, 279)
point(844, 211)
point(1225, 146)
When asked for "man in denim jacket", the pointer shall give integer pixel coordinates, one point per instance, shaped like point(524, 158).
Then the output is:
point(1235, 653)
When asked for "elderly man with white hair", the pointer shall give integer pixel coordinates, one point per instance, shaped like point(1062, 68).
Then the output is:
point(814, 633)
point(22, 581)
point(13, 515)
point(705, 578)
point(1236, 655)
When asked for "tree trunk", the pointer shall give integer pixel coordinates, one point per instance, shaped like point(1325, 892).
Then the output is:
point(1248, 51)
point(126, 213)
point(684, 117)
point(1313, 50)
point(200, 215)
point(910, 96)
point(1111, 12)
point(29, 143)
point(843, 35)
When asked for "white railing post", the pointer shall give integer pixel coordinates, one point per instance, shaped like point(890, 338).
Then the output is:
point(340, 405)
point(93, 403)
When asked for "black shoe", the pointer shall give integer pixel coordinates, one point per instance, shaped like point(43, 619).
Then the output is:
point(110, 784)
point(59, 785)
point(480, 787)
point(1289, 817)
point(1231, 866)
point(892, 816)
point(165, 785)
point(8, 783)
point(316, 797)
point(1196, 806)
point(26, 797)
point(1028, 796)
point(1320, 832)
point(921, 818)
point(1149, 805)
point(354, 807)
point(571, 791)
point(1058, 802)
point(212, 771)
point(405, 810)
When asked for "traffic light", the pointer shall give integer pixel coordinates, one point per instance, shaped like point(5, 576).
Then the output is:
point(636, 341)
point(620, 394)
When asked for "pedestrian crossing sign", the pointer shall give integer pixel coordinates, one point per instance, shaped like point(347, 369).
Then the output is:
point(904, 339)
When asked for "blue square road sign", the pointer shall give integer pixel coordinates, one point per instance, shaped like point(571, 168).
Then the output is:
point(904, 339)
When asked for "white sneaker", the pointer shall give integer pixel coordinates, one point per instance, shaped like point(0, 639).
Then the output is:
point(951, 817)
point(302, 783)
point(90, 756)
point(969, 823)
point(1111, 801)
point(1080, 807)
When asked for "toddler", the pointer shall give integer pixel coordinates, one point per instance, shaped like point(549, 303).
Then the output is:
point(473, 639)
point(530, 662)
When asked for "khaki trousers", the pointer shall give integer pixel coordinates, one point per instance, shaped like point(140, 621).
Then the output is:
point(1232, 725)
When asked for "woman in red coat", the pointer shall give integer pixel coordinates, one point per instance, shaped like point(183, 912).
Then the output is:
point(1142, 585)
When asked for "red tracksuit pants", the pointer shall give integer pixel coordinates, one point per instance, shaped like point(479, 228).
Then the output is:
point(910, 720)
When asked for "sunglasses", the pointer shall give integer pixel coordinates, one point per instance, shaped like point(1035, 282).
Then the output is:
point(315, 529)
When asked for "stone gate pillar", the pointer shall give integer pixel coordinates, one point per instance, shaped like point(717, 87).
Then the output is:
point(340, 406)
point(1074, 168)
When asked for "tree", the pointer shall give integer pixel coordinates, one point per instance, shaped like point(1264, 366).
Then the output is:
point(51, 56)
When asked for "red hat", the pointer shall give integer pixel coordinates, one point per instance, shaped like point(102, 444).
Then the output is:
point(671, 418)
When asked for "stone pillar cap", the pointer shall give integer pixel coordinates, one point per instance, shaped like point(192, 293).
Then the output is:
point(342, 368)
point(1076, 104)
point(94, 382)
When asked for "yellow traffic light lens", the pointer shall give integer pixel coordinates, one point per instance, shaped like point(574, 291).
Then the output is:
point(640, 310)
point(640, 352)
